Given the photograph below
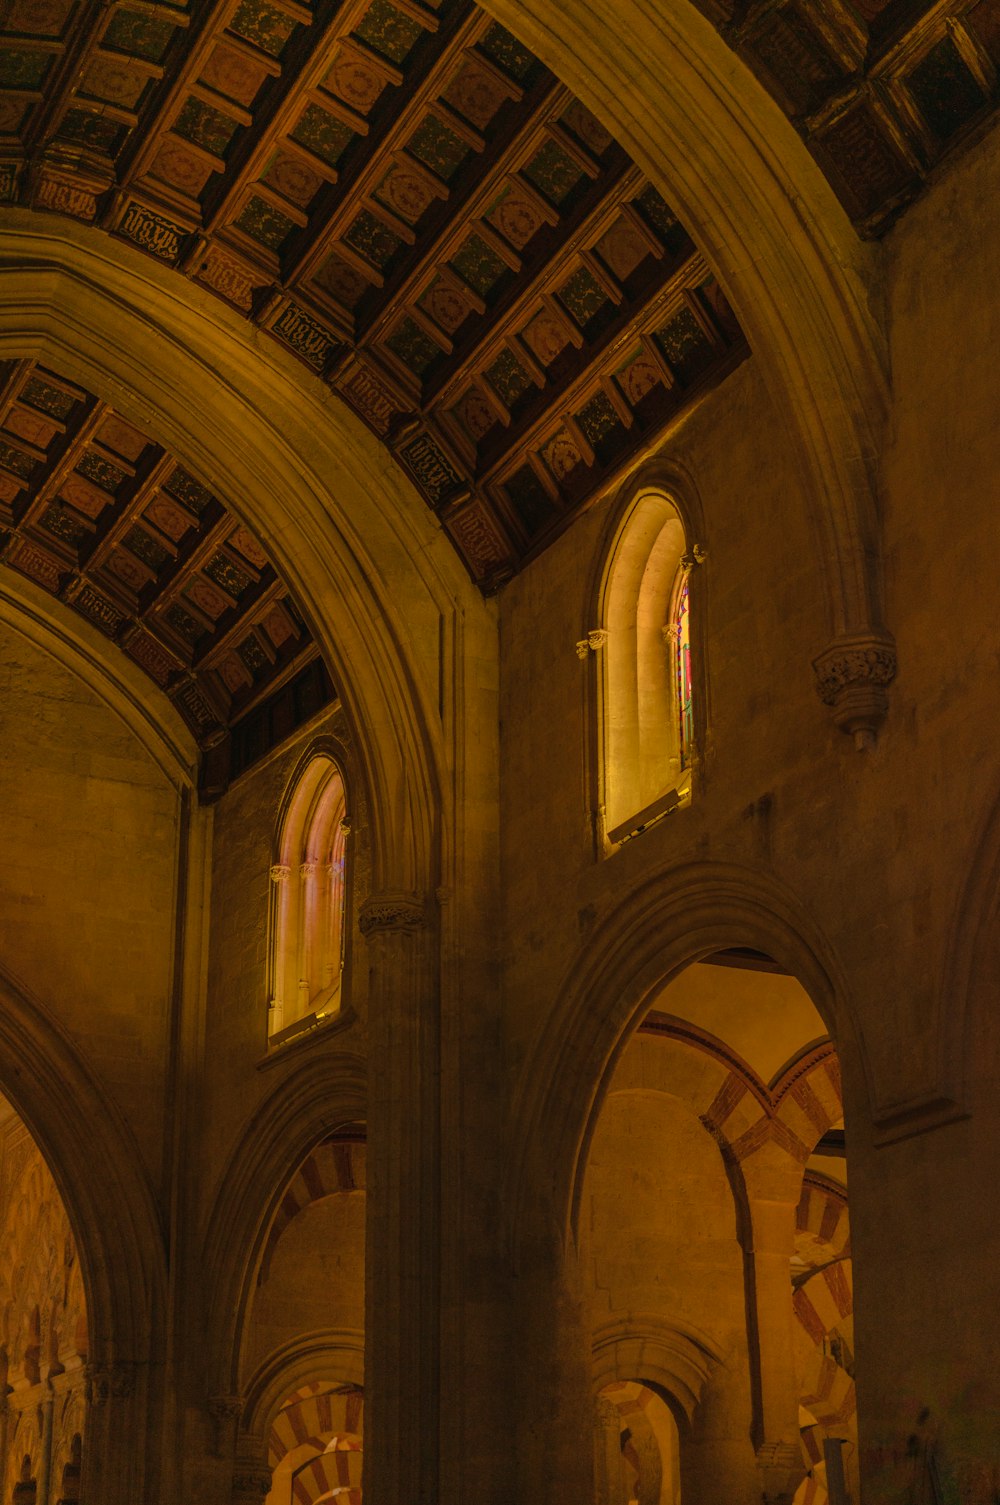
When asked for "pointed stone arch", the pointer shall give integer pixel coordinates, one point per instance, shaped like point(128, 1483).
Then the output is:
point(658, 929)
point(326, 1093)
point(345, 528)
point(96, 1167)
point(805, 288)
point(676, 1360)
point(326, 1354)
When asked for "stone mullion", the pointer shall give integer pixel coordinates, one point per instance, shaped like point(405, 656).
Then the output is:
point(402, 1275)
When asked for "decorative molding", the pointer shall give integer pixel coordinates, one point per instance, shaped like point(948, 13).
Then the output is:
point(110, 1382)
point(392, 911)
point(851, 678)
point(308, 870)
point(280, 872)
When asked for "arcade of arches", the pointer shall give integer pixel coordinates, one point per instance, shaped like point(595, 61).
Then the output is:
point(500, 867)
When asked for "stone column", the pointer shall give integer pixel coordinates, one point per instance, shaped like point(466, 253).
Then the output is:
point(609, 1474)
point(402, 1273)
point(251, 1482)
point(114, 1445)
point(773, 1181)
point(552, 1379)
point(925, 1229)
point(44, 1471)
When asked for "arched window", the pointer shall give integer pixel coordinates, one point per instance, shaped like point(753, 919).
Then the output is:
point(308, 901)
point(649, 706)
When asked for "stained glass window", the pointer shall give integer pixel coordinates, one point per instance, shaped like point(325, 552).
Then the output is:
point(684, 700)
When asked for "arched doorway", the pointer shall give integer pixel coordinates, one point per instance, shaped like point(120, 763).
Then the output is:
point(316, 1445)
point(714, 1247)
point(303, 1349)
point(43, 1328)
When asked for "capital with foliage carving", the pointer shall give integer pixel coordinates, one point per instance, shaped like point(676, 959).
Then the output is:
point(251, 1483)
point(392, 911)
point(225, 1411)
point(109, 1382)
point(852, 677)
point(595, 640)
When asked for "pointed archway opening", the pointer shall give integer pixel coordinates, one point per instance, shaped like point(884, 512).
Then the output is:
point(714, 1247)
point(44, 1339)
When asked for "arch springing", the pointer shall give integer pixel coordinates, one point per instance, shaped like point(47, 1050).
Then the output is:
point(307, 930)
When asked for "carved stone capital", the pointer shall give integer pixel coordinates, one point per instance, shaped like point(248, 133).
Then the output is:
point(851, 678)
point(308, 870)
point(251, 1483)
point(392, 911)
point(782, 1471)
point(225, 1411)
point(109, 1382)
point(280, 872)
point(593, 642)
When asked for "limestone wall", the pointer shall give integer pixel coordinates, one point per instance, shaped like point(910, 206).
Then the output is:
point(88, 871)
point(244, 833)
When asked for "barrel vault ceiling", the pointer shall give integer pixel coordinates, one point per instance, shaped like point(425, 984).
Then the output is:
point(411, 204)
point(400, 194)
point(96, 514)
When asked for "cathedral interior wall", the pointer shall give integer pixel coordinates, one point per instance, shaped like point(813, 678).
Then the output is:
point(245, 823)
point(87, 908)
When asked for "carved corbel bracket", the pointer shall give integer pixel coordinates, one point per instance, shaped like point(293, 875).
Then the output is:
point(225, 1411)
point(852, 676)
point(392, 911)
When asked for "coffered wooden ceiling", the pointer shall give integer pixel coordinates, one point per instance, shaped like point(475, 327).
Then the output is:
point(408, 201)
point(98, 515)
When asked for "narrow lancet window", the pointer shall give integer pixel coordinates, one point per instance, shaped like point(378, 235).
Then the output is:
point(308, 897)
point(648, 701)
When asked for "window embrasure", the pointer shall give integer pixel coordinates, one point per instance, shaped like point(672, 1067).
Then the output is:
point(649, 704)
point(308, 901)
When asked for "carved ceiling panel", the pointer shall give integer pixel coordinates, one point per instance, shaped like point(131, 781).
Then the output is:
point(879, 90)
point(403, 196)
point(95, 513)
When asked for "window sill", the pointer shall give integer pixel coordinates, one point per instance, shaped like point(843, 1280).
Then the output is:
point(304, 1032)
point(652, 814)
